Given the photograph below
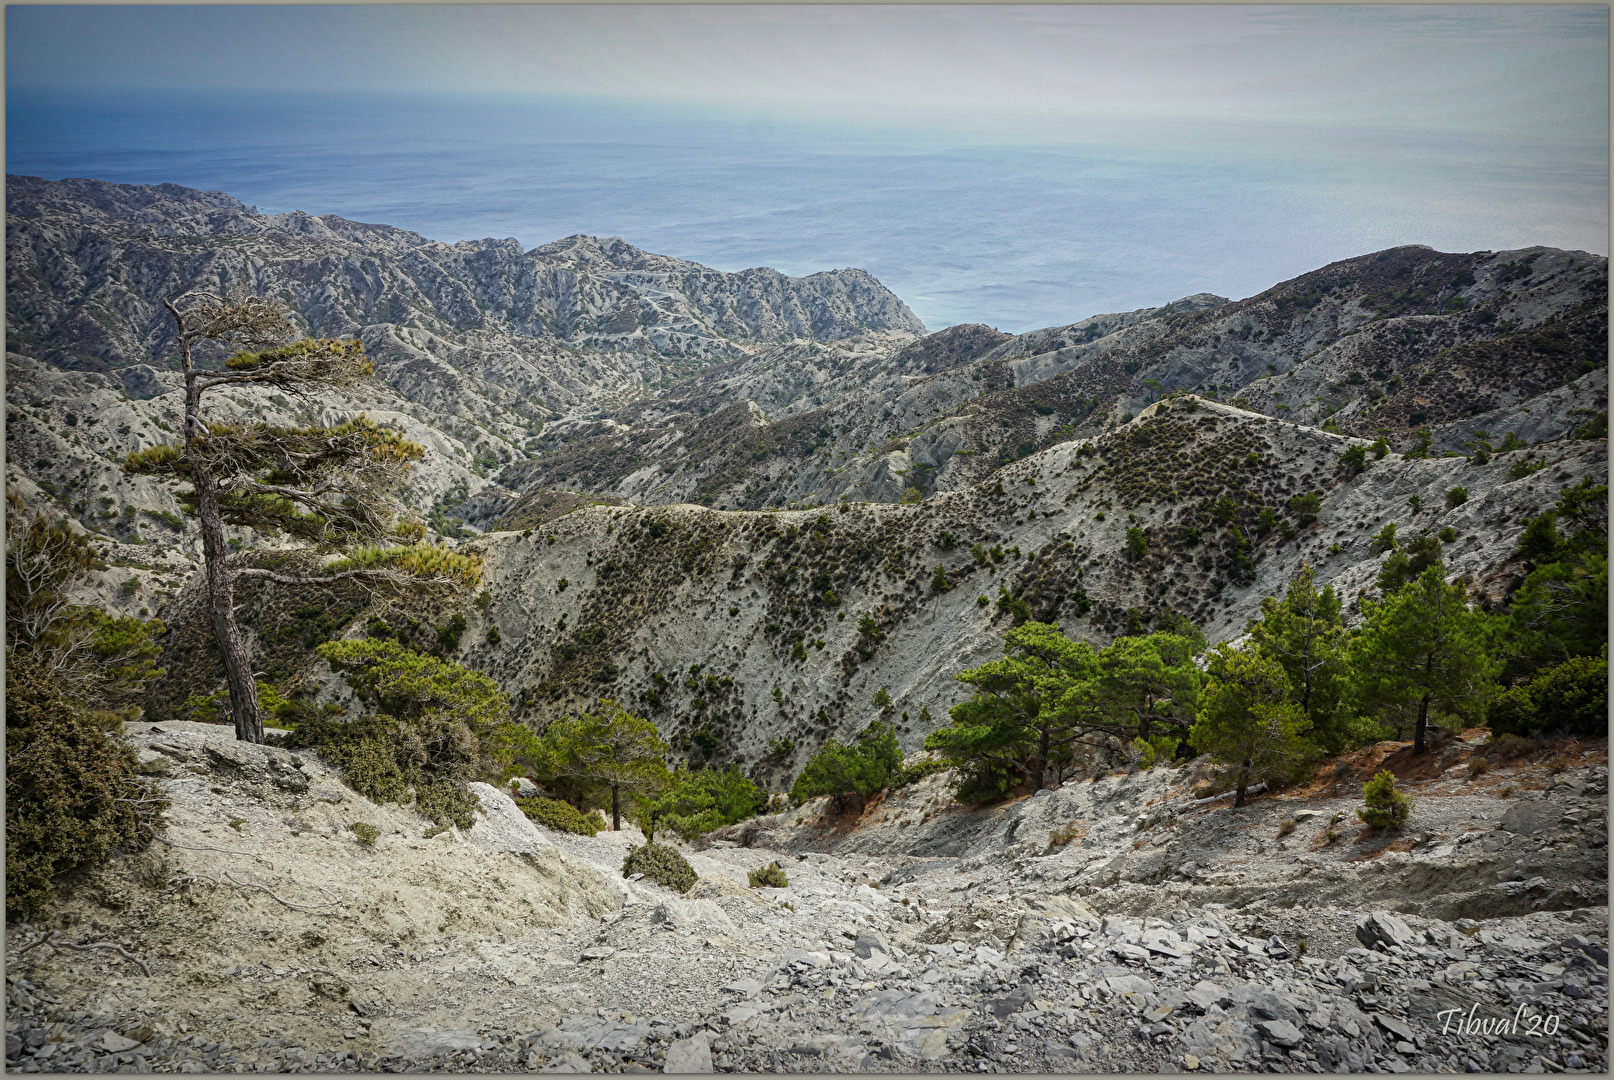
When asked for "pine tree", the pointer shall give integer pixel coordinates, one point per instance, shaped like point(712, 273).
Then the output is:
point(1015, 723)
point(1424, 646)
point(1140, 687)
point(1247, 718)
point(1303, 632)
point(1386, 808)
point(614, 748)
point(333, 488)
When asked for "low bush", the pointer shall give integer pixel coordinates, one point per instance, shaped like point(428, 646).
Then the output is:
point(771, 876)
point(365, 832)
point(662, 865)
point(1478, 765)
point(561, 816)
point(1063, 835)
point(1509, 745)
point(1286, 826)
point(1386, 807)
point(73, 796)
point(447, 802)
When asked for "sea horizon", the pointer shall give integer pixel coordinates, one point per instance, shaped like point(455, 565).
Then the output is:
point(987, 227)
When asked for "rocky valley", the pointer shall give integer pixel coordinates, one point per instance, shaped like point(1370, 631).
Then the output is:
point(764, 513)
point(1106, 926)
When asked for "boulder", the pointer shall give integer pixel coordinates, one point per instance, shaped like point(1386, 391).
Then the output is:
point(501, 826)
point(588, 1032)
point(715, 885)
point(694, 914)
point(568, 1061)
point(1281, 1032)
point(1266, 1003)
point(1381, 929)
point(869, 942)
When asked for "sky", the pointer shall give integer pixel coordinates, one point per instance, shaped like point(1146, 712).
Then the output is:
point(1114, 156)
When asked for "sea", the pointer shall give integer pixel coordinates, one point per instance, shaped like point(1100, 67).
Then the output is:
point(1014, 231)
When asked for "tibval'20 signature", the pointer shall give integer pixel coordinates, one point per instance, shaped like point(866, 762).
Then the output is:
point(1455, 1021)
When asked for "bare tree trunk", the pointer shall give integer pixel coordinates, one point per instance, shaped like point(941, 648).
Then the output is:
point(1244, 782)
point(1423, 706)
point(221, 606)
point(616, 811)
point(1042, 761)
point(220, 584)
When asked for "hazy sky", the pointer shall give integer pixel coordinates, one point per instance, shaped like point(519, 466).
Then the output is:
point(1539, 70)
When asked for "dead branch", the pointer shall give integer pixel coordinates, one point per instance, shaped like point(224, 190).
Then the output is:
point(54, 941)
point(378, 575)
point(288, 903)
point(204, 847)
point(1254, 789)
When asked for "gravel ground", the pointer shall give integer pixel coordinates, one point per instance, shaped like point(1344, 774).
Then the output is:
point(1105, 926)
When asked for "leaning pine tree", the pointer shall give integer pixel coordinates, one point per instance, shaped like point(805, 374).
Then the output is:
point(334, 488)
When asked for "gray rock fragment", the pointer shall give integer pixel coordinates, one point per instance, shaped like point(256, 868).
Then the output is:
point(691, 1055)
point(1381, 929)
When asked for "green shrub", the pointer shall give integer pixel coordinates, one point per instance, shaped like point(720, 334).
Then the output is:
point(365, 832)
point(447, 802)
point(771, 876)
point(912, 774)
point(696, 802)
point(1457, 496)
point(1477, 765)
point(437, 725)
point(1571, 697)
point(660, 864)
point(73, 796)
point(1137, 543)
point(861, 769)
point(561, 816)
point(1386, 807)
point(1153, 751)
point(1540, 539)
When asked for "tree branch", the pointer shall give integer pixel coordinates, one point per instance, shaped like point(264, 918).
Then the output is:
point(288, 903)
point(378, 574)
point(54, 941)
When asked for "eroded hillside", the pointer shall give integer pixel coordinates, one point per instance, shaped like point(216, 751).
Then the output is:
point(1385, 344)
point(734, 629)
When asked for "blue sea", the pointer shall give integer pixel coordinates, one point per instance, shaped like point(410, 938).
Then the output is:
point(1007, 232)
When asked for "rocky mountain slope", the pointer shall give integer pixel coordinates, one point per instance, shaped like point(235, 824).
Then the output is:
point(925, 488)
point(1112, 925)
point(734, 629)
point(476, 344)
point(1381, 344)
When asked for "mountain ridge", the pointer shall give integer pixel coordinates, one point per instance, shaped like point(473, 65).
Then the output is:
point(1043, 447)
